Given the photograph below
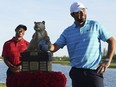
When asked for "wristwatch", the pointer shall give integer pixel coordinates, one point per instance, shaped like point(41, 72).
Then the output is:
point(107, 59)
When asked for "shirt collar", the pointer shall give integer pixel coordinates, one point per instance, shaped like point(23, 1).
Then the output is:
point(74, 25)
point(15, 39)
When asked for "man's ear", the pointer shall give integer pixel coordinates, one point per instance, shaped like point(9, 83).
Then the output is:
point(72, 14)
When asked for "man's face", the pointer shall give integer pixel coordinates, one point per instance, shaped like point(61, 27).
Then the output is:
point(20, 32)
point(80, 16)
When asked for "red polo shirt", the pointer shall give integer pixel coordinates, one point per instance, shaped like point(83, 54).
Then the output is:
point(12, 50)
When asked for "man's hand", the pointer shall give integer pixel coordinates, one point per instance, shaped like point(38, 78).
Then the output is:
point(103, 66)
point(47, 39)
point(15, 69)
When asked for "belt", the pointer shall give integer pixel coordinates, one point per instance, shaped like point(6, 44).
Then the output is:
point(83, 69)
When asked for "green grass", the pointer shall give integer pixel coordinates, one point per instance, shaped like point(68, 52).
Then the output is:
point(2, 85)
point(61, 62)
point(112, 65)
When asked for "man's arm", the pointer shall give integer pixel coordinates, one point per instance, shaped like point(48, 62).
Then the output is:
point(54, 47)
point(111, 48)
point(12, 67)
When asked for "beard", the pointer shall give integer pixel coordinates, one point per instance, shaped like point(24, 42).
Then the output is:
point(81, 20)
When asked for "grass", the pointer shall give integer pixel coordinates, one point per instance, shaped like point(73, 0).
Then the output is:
point(2, 85)
point(112, 65)
point(61, 62)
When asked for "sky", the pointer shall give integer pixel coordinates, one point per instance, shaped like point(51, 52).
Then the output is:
point(55, 13)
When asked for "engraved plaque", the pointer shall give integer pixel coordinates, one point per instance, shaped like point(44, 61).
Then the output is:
point(34, 65)
point(25, 66)
point(33, 53)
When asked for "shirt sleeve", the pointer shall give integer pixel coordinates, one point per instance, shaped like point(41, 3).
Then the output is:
point(4, 51)
point(103, 33)
point(61, 41)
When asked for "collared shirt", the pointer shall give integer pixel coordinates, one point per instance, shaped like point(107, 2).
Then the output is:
point(12, 50)
point(84, 44)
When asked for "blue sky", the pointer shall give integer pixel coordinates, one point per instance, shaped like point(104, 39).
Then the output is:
point(56, 14)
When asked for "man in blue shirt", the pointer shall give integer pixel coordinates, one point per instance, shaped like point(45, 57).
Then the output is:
point(83, 40)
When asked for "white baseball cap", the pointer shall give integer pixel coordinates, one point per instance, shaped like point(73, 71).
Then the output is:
point(76, 7)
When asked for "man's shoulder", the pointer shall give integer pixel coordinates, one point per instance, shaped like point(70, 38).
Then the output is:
point(92, 22)
point(70, 27)
point(10, 40)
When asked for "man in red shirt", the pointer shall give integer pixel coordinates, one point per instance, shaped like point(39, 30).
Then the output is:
point(12, 49)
